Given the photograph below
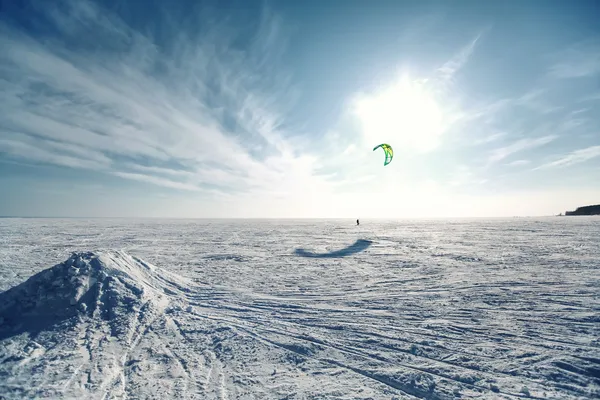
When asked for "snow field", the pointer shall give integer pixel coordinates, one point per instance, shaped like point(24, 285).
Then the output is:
point(438, 309)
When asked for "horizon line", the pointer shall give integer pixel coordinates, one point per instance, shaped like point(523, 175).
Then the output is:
point(279, 218)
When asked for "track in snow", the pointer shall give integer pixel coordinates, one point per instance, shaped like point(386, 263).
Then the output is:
point(434, 310)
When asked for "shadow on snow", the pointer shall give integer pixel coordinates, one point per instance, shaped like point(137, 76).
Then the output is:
point(356, 247)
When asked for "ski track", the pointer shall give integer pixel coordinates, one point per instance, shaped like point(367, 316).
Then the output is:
point(431, 310)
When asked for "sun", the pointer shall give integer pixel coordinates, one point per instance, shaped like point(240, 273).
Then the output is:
point(404, 114)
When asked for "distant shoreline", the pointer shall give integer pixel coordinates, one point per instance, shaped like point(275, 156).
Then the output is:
point(585, 210)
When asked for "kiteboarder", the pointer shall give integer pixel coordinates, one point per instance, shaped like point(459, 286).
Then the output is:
point(357, 223)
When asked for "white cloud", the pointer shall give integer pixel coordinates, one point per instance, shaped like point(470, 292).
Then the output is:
point(449, 69)
point(518, 146)
point(493, 137)
point(48, 152)
point(579, 61)
point(123, 106)
point(496, 110)
point(161, 171)
point(157, 181)
point(535, 100)
point(518, 163)
point(465, 175)
point(575, 157)
point(590, 98)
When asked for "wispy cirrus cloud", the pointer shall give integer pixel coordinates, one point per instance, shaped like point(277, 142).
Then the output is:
point(590, 98)
point(578, 61)
point(57, 153)
point(492, 137)
point(446, 73)
point(490, 111)
point(465, 176)
point(157, 181)
point(518, 146)
point(575, 157)
point(518, 163)
point(191, 111)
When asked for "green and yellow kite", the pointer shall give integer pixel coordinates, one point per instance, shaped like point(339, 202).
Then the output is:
point(389, 153)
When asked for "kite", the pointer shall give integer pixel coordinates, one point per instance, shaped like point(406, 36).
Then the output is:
point(389, 153)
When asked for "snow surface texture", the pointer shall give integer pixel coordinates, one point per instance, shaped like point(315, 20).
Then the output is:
point(300, 309)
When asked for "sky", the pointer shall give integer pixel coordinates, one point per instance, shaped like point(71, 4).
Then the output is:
point(242, 109)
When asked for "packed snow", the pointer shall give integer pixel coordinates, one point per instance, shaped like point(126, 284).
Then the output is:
point(298, 309)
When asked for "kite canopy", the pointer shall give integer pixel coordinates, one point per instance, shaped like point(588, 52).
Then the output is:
point(389, 153)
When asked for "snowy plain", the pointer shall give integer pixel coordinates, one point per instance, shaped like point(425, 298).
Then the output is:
point(300, 309)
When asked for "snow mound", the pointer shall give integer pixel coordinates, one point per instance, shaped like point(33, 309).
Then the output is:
point(105, 285)
point(78, 322)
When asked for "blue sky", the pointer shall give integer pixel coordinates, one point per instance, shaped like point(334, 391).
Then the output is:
point(272, 109)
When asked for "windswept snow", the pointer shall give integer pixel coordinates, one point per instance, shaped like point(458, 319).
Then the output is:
point(300, 309)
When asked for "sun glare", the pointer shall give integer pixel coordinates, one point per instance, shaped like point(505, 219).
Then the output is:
point(405, 114)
